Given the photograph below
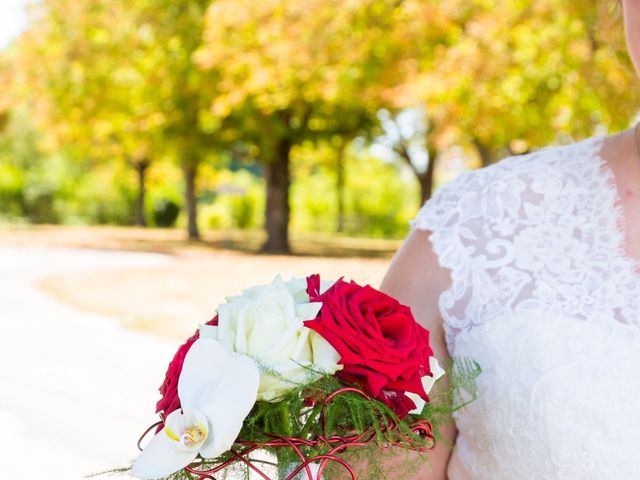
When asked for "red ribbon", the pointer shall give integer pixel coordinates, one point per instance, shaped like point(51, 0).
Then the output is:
point(336, 443)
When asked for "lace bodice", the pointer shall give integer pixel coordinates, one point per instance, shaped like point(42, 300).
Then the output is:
point(545, 299)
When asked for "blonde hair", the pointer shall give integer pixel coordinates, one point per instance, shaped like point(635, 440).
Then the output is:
point(609, 23)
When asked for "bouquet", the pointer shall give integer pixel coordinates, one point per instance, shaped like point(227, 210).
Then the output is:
point(298, 371)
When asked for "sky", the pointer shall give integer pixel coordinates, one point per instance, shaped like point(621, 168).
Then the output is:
point(12, 19)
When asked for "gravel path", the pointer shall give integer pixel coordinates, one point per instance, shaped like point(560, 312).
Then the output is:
point(76, 390)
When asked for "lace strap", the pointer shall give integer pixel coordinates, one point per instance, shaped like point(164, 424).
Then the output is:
point(454, 218)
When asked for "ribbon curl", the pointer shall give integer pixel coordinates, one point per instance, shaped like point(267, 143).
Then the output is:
point(336, 444)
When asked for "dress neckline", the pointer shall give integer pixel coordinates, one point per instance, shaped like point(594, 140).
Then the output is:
point(610, 182)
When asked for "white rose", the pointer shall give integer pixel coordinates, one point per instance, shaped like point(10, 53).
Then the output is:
point(266, 323)
point(428, 381)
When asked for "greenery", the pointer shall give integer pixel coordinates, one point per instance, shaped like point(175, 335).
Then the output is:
point(299, 414)
point(312, 116)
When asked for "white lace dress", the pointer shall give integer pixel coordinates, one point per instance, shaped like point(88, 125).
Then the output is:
point(544, 298)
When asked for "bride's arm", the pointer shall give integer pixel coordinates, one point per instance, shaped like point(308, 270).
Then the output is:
point(416, 279)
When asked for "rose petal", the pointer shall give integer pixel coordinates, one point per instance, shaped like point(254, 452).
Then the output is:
point(400, 403)
point(325, 357)
point(307, 311)
point(161, 458)
point(301, 352)
point(271, 315)
point(271, 388)
point(225, 324)
point(233, 399)
point(209, 331)
point(298, 289)
point(201, 372)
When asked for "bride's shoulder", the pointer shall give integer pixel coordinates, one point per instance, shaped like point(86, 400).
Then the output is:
point(546, 162)
point(534, 178)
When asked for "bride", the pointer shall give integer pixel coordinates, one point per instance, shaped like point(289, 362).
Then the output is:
point(531, 267)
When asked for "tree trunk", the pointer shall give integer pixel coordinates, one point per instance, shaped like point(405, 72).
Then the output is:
point(486, 155)
point(277, 212)
point(140, 219)
point(340, 188)
point(190, 170)
point(426, 178)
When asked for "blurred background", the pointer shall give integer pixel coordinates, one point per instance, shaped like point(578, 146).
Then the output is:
point(159, 155)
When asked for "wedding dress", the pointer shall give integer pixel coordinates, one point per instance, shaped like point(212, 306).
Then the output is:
point(545, 299)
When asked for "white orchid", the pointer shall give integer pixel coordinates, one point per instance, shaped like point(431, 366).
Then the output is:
point(217, 390)
point(428, 381)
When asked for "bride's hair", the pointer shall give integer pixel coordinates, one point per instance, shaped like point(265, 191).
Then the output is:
point(609, 24)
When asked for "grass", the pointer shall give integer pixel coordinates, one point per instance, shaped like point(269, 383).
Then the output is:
point(173, 298)
point(174, 240)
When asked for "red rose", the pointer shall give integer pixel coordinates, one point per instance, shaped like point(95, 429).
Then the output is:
point(169, 388)
point(383, 348)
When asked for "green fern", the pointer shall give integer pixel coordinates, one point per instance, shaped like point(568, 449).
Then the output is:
point(298, 414)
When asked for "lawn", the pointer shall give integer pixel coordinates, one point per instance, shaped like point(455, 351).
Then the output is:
point(173, 298)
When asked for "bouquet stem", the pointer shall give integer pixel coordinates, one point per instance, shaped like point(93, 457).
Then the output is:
point(286, 468)
point(285, 418)
point(286, 459)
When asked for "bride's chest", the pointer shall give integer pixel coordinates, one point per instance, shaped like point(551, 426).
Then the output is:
point(558, 248)
point(545, 297)
point(557, 397)
point(629, 202)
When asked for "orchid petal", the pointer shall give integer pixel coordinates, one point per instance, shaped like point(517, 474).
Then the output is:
point(436, 372)
point(231, 402)
point(418, 401)
point(428, 381)
point(161, 458)
point(178, 422)
point(201, 371)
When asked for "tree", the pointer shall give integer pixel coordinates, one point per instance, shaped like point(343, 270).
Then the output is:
point(185, 91)
point(86, 76)
point(6, 87)
point(115, 78)
point(407, 136)
point(536, 73)
point(298, 71)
